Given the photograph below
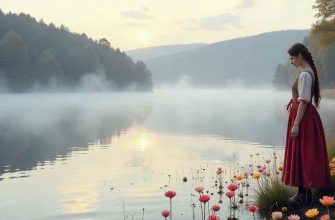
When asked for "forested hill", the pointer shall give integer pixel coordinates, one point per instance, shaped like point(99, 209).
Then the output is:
point(39, 56)
point(249, 61)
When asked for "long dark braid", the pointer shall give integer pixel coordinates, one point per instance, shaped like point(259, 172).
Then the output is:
point(317, 96)
point(297, 49)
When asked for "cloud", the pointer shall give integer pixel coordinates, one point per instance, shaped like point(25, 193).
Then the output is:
point(245, 4)
point(214, 23)
point(141, 14)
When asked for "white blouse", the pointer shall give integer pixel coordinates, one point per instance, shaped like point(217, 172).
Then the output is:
point(305, 83)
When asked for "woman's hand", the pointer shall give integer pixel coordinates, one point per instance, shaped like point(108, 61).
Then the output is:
point(295, 131)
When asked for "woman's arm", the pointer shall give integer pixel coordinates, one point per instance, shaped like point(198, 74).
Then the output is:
point(300, 114)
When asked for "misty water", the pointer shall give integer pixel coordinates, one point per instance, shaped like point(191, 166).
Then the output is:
point(106, 155)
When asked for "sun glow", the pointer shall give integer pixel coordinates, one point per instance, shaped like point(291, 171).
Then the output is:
point(143, 142)
point(144, 37)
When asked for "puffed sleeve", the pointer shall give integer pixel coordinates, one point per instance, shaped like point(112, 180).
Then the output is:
point(305, 82)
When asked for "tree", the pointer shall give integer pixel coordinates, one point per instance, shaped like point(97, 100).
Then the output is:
point(14, 49)
point(325, 26)
point(32, 51)
point(47, 67)
point(325, 30)
point(325, 8)
point(104, 42)
point(15, 55)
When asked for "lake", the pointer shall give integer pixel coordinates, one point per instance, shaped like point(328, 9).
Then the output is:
point(113, 155)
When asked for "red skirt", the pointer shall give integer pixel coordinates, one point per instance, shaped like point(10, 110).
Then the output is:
point(306, 160)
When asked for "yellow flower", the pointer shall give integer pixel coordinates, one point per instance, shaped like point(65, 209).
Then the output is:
point(239, 177)
point(312, 213)
point(256, 175)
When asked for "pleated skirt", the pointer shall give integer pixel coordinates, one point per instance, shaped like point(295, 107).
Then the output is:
point(306, 160)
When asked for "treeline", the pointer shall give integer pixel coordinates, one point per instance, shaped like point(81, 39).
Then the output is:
point(321, 43)
point(36, 55)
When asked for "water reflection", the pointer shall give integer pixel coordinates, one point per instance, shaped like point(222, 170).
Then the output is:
point(99, 156)
point(38, 133)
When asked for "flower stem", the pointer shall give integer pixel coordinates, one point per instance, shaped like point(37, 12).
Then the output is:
point(204, 210)
point(170, 209)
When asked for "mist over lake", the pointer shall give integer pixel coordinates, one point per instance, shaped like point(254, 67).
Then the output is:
point(89, 156)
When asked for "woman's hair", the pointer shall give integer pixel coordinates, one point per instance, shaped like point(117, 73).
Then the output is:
point(297, 49)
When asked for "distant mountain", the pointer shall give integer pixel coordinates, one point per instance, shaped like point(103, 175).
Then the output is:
point(247, 61)
point(158, 51)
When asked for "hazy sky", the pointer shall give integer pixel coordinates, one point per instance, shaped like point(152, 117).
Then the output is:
point(130, 24)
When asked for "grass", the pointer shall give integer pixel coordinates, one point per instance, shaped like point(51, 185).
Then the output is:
point(273, 196)
point(331, 149)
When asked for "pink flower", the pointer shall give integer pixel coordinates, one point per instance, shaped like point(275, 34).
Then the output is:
point(294, 217)
point(232, 187)
point(325, 217)
point(170, 194)
point(327, 200)
point(204, 198)
point(199, 189)
point(277, 215)
point(260, 170)
point(219, 170)
point(252, 208)
point(213, 217)
point(230, 194)
point(267, 161)
point(216, 207)
point(165, 213)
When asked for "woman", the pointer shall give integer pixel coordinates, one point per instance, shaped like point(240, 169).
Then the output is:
point(306, 160)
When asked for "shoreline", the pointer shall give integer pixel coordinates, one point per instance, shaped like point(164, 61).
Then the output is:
point(328, 93)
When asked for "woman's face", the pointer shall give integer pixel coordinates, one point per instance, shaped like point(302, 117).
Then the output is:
point(295, 60)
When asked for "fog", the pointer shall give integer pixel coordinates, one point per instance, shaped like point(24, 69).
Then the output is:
point(79, 144)
point(38, 127)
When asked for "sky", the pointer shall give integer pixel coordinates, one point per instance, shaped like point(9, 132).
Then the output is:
point(131, 24)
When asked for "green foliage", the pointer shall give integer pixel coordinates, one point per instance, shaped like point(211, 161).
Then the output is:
point(331, 149)
point(325, 26)
point(325, 8)
point(325, 29)
point(32, 52)
point(272, 196)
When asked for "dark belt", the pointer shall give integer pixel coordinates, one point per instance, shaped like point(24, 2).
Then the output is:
point(289, 105)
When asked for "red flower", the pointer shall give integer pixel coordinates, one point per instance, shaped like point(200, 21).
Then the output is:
point(230, 194)
point(252, 208)
point(213, 217)
point(325, 217)
point(232, 187)
point(216, 207)
point(165, 213)
point(204, 198)
point(170, 194)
